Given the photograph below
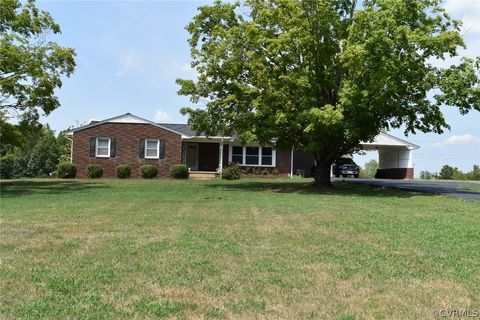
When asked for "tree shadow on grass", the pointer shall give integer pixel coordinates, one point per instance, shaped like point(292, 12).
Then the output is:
point(306, 187)
point(16, 188)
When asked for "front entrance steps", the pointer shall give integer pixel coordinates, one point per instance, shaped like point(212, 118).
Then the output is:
point(203, 175)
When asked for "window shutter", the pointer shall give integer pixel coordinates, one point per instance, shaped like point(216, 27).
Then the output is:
point(113, 147)
point(141, 149)
point(162, 149)
point(92, 147)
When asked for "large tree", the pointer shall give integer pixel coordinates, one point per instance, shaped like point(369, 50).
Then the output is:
point(31, 67)
point(323, 75)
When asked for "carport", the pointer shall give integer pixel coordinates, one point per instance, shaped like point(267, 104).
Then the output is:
point(395, 156)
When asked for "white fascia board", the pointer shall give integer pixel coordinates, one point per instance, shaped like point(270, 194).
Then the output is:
point(125, 118)
point(405, 142)
point(129, 118)
point(387, 140)
point(216, 138)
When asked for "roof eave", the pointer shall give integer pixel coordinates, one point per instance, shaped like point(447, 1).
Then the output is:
point(110, 120)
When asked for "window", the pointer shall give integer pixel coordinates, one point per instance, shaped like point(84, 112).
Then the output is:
point(237, 155)
point(151, 149)
point(102, 149)
point(267, 156)
point(253, 156)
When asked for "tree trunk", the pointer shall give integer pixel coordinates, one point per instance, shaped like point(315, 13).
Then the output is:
point(322, 175)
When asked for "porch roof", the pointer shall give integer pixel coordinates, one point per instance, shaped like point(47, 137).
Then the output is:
point(183, 128)
point(188, 133)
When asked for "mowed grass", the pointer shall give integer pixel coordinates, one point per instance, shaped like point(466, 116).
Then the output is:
point(248, 249)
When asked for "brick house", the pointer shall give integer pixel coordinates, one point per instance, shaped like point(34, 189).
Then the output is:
point(129, 139)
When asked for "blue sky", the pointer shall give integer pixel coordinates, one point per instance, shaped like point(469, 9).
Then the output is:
point(129, 54)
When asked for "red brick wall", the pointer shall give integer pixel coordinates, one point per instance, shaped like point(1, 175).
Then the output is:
point(128, 136)
point(283, 161)
point(395, 173)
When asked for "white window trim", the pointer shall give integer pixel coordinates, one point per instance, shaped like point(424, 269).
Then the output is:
point(96, 148)
point(244, 156)
point(158, 148)
point(260, 156)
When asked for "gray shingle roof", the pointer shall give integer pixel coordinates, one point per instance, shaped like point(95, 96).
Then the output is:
point(182, 128)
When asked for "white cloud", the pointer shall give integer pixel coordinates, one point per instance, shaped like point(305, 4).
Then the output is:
point(466, 10)
point(462, 139)
point(128, 62)
point(458, 139)
point(162, 116)
point(153, 69)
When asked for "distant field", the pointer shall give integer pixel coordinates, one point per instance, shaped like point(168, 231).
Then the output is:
point(460, 181)
point(248, 249)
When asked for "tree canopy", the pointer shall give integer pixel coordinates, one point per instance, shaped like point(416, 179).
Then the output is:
point(31, 67)
point(324, 75)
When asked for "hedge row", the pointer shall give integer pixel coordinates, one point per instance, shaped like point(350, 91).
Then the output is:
point(177, 171)
point(123, 171)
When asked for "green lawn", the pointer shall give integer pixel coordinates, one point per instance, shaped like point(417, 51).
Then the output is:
point(136, 249)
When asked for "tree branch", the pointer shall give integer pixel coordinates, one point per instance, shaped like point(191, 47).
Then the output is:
point(12, 105)
point(352, 9)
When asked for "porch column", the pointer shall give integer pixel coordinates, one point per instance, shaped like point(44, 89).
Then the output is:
point(220, 158)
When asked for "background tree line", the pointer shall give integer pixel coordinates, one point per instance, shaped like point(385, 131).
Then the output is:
point(36, 153)
point(452, 173)
point(446, 173)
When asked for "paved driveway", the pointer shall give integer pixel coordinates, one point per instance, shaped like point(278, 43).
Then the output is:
point(455, 189)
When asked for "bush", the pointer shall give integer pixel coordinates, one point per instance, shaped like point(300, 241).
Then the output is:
point(258, 171)
point(179, 171)
point(231, 172)
point(123, 171)
point(148, 171)
point(66, 170)
point(94, 171)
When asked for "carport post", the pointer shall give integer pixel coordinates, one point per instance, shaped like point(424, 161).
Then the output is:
point(291, 163)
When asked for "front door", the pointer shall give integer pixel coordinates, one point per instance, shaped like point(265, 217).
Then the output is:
point(192, 156)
